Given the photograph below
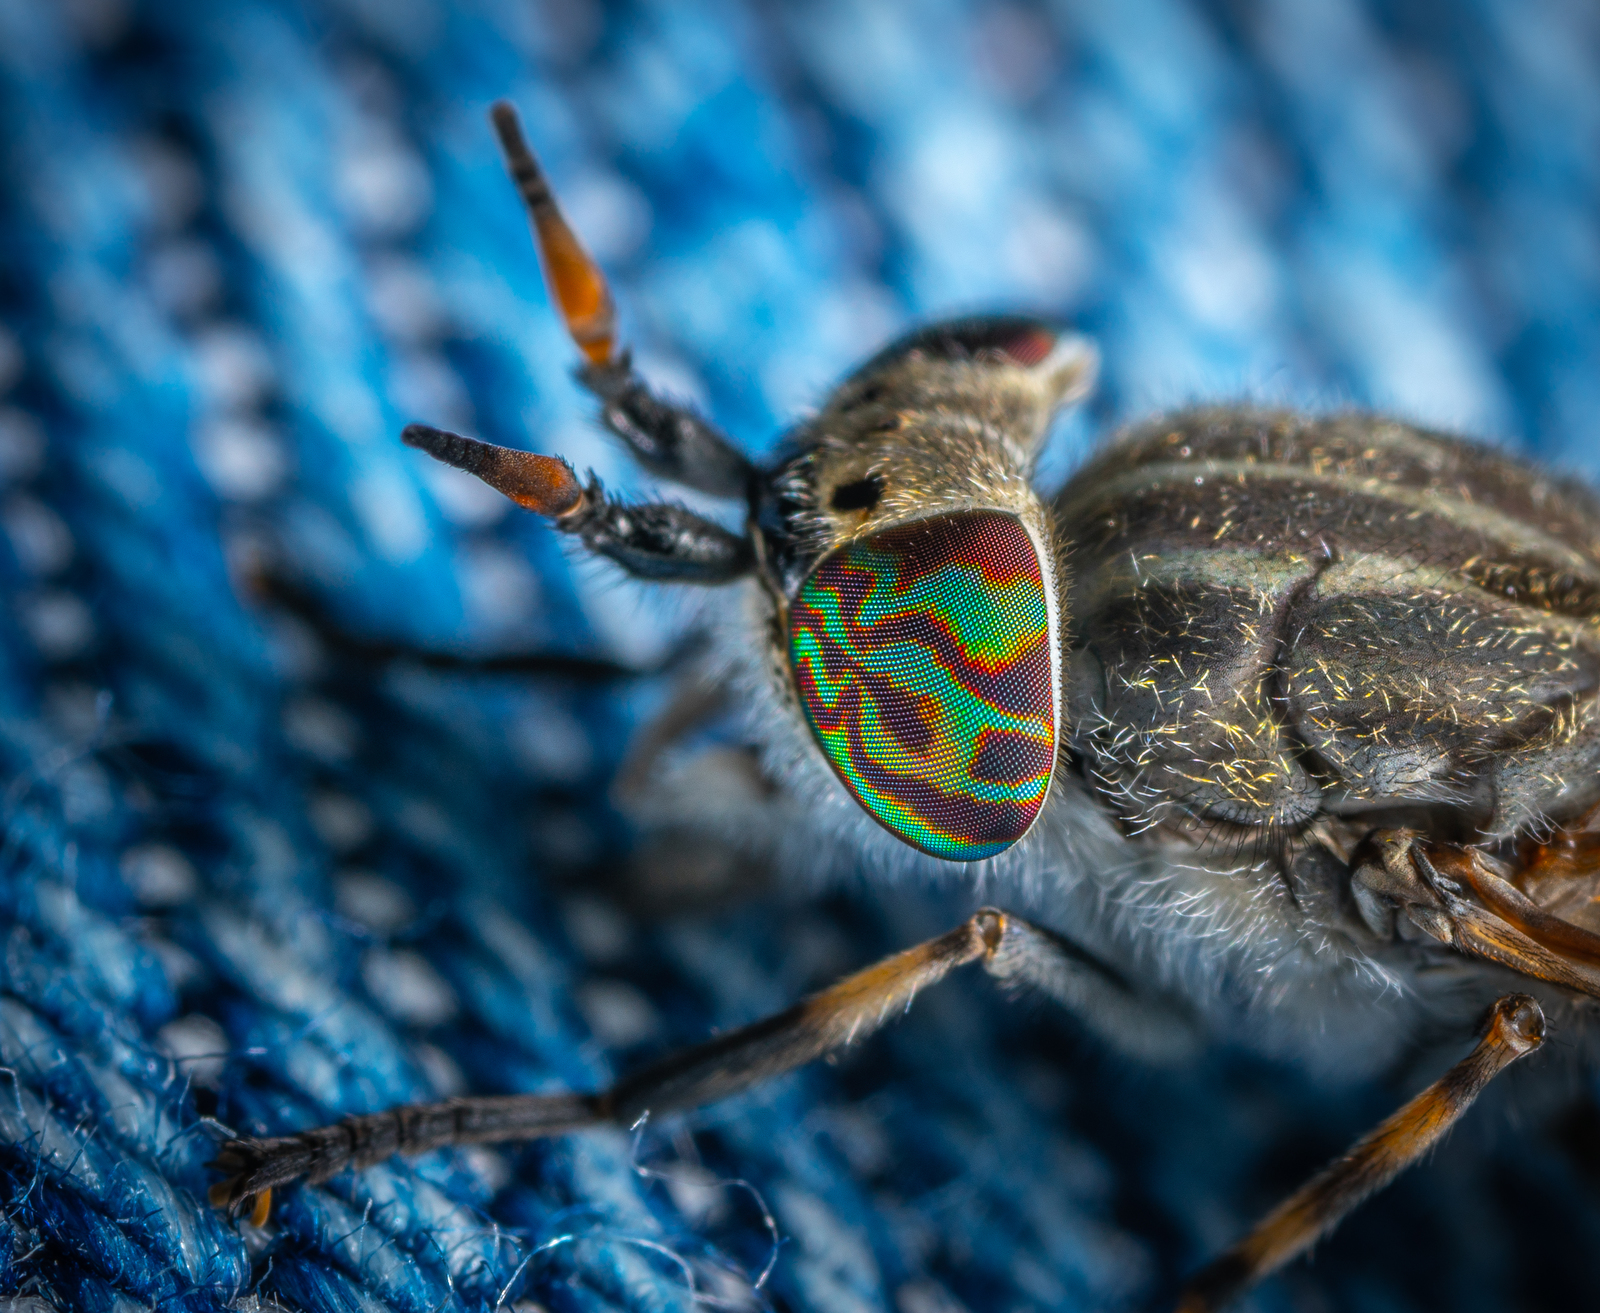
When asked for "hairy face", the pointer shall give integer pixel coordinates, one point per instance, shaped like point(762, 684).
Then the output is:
point(916, 581)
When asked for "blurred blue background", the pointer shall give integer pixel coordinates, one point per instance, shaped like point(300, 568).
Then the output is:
point(243, 881)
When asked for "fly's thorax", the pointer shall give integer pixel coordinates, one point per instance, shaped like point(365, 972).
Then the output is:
point(1276, 617)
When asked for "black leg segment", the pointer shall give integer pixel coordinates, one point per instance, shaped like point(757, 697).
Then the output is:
point(653, 541)
point(667, 438)
point(664, 542)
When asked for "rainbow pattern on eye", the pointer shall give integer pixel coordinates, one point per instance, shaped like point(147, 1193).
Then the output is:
point(922, 657)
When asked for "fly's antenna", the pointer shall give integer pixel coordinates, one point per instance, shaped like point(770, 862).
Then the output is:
point(577, 285)
point(667, 437)
point(544, 484)
point(653, 540)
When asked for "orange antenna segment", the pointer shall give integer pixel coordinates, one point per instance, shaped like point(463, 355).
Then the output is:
point(545, 484)
point(576, 283)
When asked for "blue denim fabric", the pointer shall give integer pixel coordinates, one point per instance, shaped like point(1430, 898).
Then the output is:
point(242, 243)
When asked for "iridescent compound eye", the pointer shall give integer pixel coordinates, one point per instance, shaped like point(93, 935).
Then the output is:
point(923, 658)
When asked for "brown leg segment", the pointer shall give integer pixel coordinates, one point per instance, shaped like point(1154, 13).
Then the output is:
point(1571, 853)
point(1515, 908)
point(1515, 1028)
point(728, 1064)
point(1502, 925)
point(1011, 949)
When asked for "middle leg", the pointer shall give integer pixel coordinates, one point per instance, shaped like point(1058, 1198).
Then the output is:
point(1515, 1028)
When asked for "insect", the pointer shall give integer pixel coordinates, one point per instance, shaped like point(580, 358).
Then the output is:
point(1260, 706)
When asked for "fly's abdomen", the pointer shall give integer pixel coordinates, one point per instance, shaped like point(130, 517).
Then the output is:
point(1273, 615)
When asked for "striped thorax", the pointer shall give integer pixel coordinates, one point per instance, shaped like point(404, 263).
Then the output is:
point(1276, 617)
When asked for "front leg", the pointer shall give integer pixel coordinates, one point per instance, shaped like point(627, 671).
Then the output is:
point(666, 437)
point(669, 439)
point(651, 540)
point(1010, 948)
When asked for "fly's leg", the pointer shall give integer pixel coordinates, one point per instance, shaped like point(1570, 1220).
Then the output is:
point(666, 436)
point(1011, 949)
point(1562, 870)
point(1515, 1027)
point(305, 607)
point(1515, 920)
point(1150, 1027)
point(1429, 885)
point(833, 1019)
point(1490, 880)
point(652, 540)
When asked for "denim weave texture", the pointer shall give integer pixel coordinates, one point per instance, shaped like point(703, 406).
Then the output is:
point(249, 882)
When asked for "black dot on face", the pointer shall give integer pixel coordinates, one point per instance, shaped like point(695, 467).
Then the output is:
point(862, 495)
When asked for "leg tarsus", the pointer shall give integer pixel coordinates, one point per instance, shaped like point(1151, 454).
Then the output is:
point(545, 485)
point(299, 602)
point(255, 1166)
point(577, 285)
point(1515, 1027)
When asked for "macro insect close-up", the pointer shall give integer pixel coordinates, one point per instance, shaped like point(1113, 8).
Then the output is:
point(1079, 519)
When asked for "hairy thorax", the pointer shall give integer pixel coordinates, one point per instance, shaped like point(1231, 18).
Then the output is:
point(1289, 633)
point(1276, 619)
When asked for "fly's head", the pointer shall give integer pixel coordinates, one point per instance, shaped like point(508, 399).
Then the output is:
point(916, 585)
point(911, 569)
